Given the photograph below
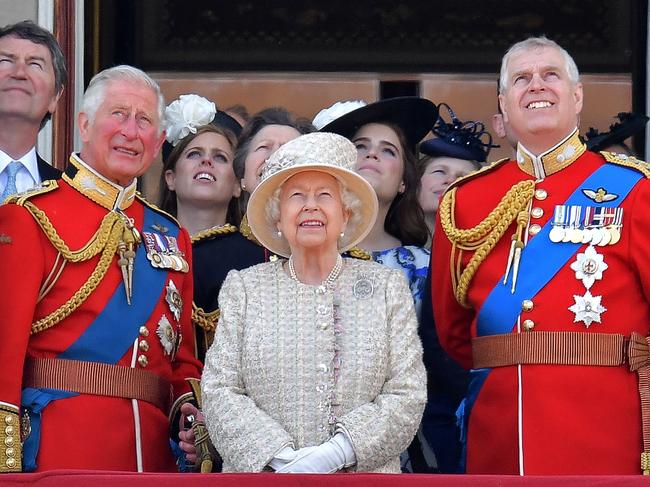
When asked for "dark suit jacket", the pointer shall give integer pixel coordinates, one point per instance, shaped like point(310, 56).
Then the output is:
point(46, 171)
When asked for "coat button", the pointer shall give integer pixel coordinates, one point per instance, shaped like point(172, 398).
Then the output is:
point(526, 305)
point(320, 290)
point(9, 441)
point(9, 419)
point(144, 345)
point(324, 326)
point(144, 331)
point(10, 462)
point(537, 212)
point(528, 325)
point(321, 309)
point(540, 194)
point(143, 361)
point(322, 368)
point(10, 452)
point(534, 229)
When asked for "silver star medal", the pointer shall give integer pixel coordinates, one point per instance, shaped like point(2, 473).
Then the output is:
point(589, 266)
point(174, 300)
point(167, 335)
point(587, 308)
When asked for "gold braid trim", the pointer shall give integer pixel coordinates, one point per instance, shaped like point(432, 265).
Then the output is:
point(359, 253)
point(204, 319)
point(88, 287)
point(627, 161)
point(483, 237)
point(214, 231)
point(93, 247)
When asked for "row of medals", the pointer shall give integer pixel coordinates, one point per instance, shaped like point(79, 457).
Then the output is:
point(567, 226)
point(596, 227)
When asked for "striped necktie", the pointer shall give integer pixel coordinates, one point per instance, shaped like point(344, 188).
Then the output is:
point(10, 188)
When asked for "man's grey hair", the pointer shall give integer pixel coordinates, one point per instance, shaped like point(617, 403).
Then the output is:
point(350, 201)
point(96, 92)
point(536, 43)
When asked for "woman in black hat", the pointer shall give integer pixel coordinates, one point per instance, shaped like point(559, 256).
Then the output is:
point(386, 134)
point(199, 187)
point(458, 149)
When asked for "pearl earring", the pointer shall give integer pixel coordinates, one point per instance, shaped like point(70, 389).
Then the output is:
point(342, 234)
point(279, 233)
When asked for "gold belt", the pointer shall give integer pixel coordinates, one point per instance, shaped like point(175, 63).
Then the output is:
point(572, 348)
point(98, 379)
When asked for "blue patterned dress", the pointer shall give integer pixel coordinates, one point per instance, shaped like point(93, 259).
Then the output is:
point(414, 262)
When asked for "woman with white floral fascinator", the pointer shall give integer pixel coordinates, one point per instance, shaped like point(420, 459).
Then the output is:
point(199, 187)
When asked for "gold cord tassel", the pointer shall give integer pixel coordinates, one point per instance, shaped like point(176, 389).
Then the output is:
point(482, 238)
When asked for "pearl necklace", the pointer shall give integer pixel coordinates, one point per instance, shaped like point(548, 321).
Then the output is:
point(331, 277)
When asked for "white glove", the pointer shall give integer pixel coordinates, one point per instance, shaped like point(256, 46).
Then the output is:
point(331, 456)
point(287, 455)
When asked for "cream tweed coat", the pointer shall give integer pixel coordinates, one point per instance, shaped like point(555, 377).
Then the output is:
point(293, 363)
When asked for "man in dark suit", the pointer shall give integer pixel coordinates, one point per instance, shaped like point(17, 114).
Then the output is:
point(32, 76)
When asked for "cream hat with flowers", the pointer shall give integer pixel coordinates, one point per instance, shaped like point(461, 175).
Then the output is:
point(319, 151)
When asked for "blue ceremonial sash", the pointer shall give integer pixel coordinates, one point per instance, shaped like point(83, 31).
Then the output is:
point(108, 337)
point(541, 259)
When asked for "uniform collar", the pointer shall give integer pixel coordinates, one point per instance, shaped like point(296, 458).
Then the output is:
point(554, 159)
point(96, 187)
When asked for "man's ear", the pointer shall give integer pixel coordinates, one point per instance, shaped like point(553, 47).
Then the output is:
point(83, 122)
point(578, 98)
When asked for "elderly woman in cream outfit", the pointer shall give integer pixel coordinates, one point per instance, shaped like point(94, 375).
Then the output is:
point(316, 364)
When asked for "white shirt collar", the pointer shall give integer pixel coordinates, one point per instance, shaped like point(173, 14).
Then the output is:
point(29, 160)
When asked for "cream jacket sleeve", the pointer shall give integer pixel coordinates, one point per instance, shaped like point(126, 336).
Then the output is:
point(380, 430)
point(250, 438)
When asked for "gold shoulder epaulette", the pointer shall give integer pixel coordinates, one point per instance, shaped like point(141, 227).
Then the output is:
point(155, 208)
point(627, 161)
point(478, 173)
point(224, 229)
point(245, 230)
point(359, 253)
point(44, 187)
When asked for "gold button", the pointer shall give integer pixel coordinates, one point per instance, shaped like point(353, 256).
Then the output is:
point(9, 430)
point(534, 229)
point(528, 325)
point(144, 331)
point(540, 194)
point(9, 441)
point(537, 212)
point(143, 361)
point(526, 305)
point(9, 419)
point(144, 345)
point(10, 452)
point(10, 462)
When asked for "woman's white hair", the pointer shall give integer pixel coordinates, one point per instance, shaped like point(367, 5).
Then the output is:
point(349, 200)
point(536, 43)
point(95, 94)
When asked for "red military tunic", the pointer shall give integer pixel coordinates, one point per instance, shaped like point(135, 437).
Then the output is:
point(89, 431)
point(550, 419)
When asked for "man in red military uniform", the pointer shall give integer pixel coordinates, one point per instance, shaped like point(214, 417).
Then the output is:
point(541, 285)
point(96, 298)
